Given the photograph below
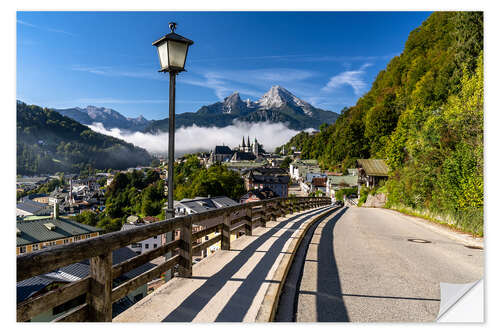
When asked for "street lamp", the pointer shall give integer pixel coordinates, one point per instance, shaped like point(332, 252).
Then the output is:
point(172, 51)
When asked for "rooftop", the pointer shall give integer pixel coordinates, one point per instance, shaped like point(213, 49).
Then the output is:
point(305, 162)
point(265, 179)
point(75, 272)
point(223, 150)
point(35, 231)
point(319, 181)
point(262, 194)
point(374, 167)
point(199, 205)
point(348, 180)
point(30, 206)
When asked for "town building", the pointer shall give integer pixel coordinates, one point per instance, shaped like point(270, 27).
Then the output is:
point(335, 183)
point(243, 167)
point(318, 184)
point(38, 197)
point(34, 235)
point(221, 154)
point(28, 207)
point(299, 169)
point(352, 172)
point(29, 183)
point(372, 171)
point(258, 195)
point(242, 156)
point(244, 152)
point(277, 183)
point(152, 243)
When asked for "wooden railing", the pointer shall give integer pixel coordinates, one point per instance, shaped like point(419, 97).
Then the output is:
point(98, 286)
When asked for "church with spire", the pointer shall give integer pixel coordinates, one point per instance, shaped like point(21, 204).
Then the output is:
point(247, 151)
point(255, 147)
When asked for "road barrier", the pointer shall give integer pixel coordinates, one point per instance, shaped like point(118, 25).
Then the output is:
point(98, 286)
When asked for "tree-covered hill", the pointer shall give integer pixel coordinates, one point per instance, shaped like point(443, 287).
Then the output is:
point(424, 115)
point(48, 142)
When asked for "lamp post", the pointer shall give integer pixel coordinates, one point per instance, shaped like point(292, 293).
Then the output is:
point(172, 51)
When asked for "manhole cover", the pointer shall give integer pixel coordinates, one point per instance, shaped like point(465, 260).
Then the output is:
point(473, 247)
point(418, 240)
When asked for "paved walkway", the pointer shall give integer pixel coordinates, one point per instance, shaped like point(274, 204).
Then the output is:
point(228, 286)
point(361, 265)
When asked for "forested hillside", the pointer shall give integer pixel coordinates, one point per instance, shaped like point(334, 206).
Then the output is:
point(139, 193)
point(424, 116)
point(48, 142)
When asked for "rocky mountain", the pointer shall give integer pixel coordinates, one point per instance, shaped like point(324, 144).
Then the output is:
point(108, 117)
point(48, 142)
point(277, 105)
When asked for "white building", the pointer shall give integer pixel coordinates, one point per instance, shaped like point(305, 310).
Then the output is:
point(147, 244)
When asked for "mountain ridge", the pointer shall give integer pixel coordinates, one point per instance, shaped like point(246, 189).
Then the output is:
point(276, 105)
point(48, 142)
point(108, 117)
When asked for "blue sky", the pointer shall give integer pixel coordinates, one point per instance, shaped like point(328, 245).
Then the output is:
point(329, 59)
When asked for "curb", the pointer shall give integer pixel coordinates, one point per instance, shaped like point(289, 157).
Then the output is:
point(269, 305)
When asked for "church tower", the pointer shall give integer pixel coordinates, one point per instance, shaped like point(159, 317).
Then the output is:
point(243, 148)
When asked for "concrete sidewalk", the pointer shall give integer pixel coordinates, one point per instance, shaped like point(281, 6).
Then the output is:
point(228, 286)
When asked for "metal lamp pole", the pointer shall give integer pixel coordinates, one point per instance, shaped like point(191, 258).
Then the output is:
point(172, 52)
point(171, 146)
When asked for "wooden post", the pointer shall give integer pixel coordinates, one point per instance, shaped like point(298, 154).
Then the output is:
point(186, 249)
point(248, 223)
point(273, 211)
point(101, 285)
point(263, 215)
point(226, 234)
point(279, 212)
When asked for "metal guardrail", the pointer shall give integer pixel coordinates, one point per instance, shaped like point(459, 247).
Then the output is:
point(98, 286)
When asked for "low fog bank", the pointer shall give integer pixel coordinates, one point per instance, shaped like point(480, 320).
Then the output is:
point(194, 139)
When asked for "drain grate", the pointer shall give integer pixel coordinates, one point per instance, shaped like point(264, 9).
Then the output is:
point(473, 247)
point(418, 240)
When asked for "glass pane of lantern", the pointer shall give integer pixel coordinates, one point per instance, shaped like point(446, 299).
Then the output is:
point(177, 53)
point(163, 54)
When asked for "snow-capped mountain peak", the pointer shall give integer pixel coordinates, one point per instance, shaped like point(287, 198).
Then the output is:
point(278, 96)
point(232, 103)
point(108, 117)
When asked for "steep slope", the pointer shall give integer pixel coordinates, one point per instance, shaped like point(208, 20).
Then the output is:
point(424, 115)
point(277, 105)
point(48, 142)
point(108, 117)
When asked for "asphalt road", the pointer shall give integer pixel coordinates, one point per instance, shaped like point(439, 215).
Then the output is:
point(359, 265)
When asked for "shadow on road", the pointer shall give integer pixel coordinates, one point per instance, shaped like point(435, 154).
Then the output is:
point(329, 303)
point(241, 300)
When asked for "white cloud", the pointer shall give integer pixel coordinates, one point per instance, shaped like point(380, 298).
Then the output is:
point(110, 100)
point(352, 78)
point(110, 71)
point(194, 138)
point(253, 82)
point(45, 28)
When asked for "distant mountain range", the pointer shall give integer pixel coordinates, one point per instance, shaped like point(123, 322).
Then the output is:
point(48, 142)
point(108, 117)
point(277, 105)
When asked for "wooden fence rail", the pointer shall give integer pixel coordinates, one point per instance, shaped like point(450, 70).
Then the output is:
point(98, 286)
